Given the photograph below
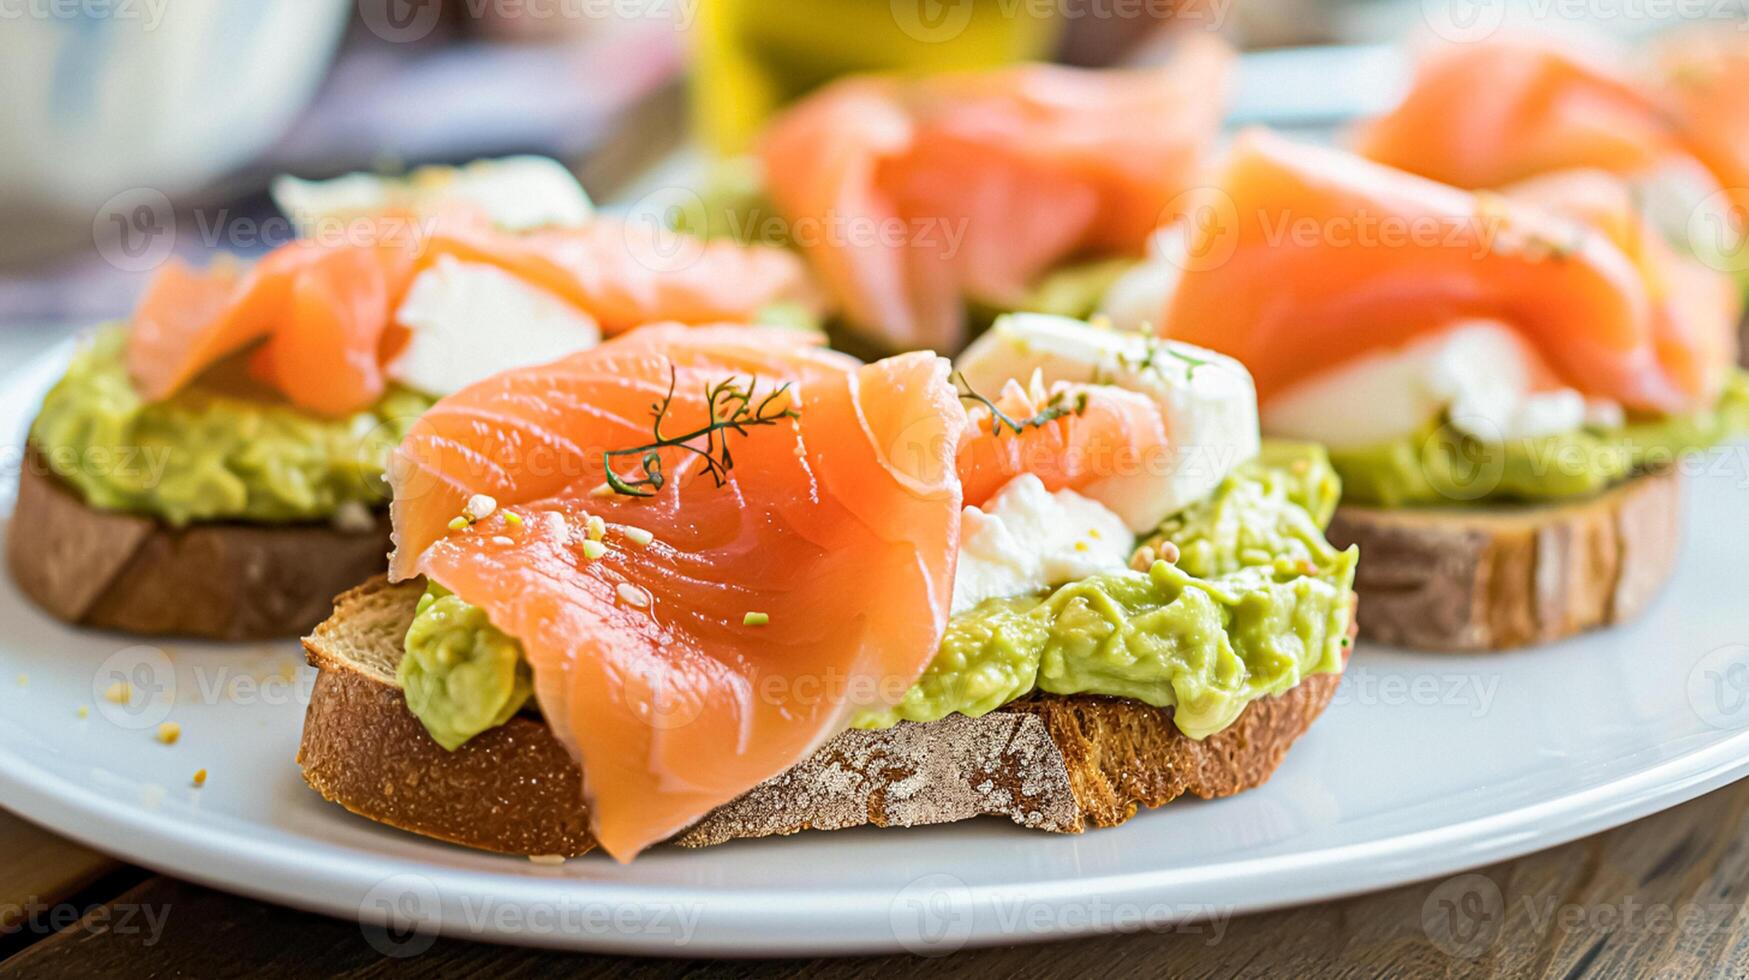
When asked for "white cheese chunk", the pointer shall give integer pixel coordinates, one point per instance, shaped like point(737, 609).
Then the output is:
point(1208, 401)
point(1026, 539)
point(515, 193)
point(470, 321)
point(1490, 383)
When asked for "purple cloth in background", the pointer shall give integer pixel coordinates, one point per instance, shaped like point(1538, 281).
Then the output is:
point(383, 106)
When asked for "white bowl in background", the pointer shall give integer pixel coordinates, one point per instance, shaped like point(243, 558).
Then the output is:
point(99, 97)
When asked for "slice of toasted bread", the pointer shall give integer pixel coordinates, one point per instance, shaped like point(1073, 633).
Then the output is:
point(224, 581)
point(1051, 763)
point(1495, 578)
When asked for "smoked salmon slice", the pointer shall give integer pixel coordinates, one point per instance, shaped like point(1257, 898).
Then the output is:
point(627, 274)
point(1299, 258)
point(324, 313)
point(839, 523)
point(1702, 80)
point(1071, 435)
point(911, 195)
point(1493, 113)
point(1510, 109)
point(1694, 305)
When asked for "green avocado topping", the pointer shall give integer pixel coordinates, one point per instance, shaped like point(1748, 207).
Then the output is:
point(217, 450)
point(461, 675)
point(1257, 601)
point(1441, 466)
point(1075, 290)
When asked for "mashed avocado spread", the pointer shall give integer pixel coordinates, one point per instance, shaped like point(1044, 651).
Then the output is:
point(1257, 601)
point(217, 450)
point(461, 676)
point(1440, 465)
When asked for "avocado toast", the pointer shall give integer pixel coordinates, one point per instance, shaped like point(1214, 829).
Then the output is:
point(216, 466)
point(1508, 383)
point(764, 587)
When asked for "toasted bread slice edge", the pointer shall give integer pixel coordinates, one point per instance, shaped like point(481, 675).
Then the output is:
point(225, 581)
point(1477, 579)
point(1050, 763)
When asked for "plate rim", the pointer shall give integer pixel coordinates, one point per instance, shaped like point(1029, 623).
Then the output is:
point(336, 879)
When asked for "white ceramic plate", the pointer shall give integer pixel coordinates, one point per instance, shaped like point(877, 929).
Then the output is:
point(1425, 765)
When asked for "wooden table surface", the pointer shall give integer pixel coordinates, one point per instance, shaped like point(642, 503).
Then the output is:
point(1664, 897)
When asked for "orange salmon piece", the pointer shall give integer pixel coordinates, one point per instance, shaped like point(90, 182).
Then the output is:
point(1113, 432)
point(840, 524)
point(910, 196)
point(1301, 258)
point(1493, 113)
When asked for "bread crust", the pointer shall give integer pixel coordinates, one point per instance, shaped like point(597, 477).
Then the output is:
point(225, 581)
point(1050, 763)
point(1498, 578)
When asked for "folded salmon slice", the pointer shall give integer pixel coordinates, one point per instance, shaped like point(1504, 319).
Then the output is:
point(911, 195)
point(324, 312)
point(628, 274)
point(1694, 306)
point(1701, 78)
point(1298, 259)
point(1071, 435)
point(1492, 113)
point(840, 524)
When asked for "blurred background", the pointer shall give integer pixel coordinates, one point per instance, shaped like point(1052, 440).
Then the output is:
point(133, 129)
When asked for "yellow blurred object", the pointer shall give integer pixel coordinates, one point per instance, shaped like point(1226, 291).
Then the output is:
point(753, 56)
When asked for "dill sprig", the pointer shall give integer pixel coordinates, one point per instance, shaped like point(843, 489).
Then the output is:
point(1057, 407)
point(734, 408)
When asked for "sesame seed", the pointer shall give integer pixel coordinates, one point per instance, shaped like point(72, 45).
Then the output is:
point(503, 541)
point(547, 859)
point(639, 536)
point(479, 507)
point(631, 595)
point(199, 779)
point(593, 550)
point(169, 732)
point(457, 523)
point(1143, 559)
point(595, 527)
point(755, 619)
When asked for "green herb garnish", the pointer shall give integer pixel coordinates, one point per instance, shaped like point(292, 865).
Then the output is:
point(1057, 407)
point(733, 408)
